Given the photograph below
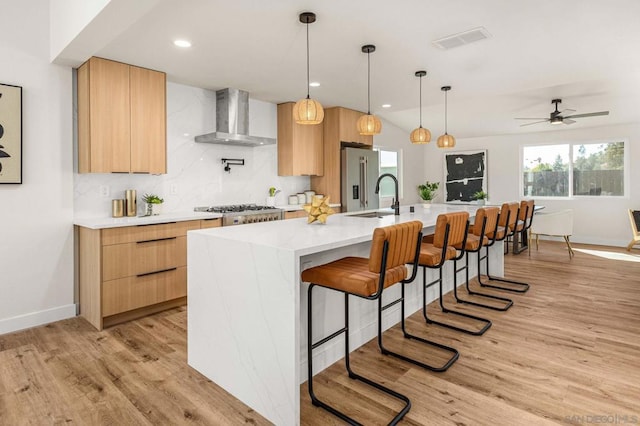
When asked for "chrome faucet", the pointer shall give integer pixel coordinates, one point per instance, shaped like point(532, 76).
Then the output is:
point(395, 205)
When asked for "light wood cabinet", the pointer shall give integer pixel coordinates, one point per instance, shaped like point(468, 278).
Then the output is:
point(339, 126)
point(299, 146)
point(293, 214)
point(121, 118)
point(210, 223)
point(132, 271)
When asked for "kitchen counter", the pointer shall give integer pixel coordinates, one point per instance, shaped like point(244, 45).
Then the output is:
point(116, 222)
point(295, 207)
point(247, 304)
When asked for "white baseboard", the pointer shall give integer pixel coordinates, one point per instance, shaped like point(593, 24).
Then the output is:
point(34, 319)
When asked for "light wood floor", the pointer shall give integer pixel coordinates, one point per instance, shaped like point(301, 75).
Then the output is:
point(568, 349)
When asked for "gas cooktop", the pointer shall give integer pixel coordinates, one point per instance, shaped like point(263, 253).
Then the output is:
point(235, 208)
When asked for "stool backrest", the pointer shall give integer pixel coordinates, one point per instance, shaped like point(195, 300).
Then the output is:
point(457, 222)
point(509, 212)
point(526, 210)
point(402, 239)
point(491, 215)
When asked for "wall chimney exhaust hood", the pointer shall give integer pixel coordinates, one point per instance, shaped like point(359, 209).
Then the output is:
point(232, 121)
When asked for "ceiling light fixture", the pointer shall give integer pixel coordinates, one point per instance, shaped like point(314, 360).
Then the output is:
point(369, 124)
point(420, 135)
point(182, 43)
point(386, 105)
point(446, 140)
point(314, 84)
point(308, 111)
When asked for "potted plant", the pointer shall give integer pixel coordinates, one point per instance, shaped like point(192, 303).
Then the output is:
point(153, 204)
point(427, 192)
point(480, 196)
point(271, 199)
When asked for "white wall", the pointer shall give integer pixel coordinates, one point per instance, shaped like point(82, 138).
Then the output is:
point(36, 249)
point(596, 220)
point(195, 169)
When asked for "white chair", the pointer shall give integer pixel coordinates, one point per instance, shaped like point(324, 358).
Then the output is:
point(556, 224)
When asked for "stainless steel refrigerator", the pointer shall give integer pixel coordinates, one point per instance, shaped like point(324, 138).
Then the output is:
point(358, 176)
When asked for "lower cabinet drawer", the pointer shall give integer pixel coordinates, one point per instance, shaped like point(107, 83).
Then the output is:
point(134, 292)
point(124, 260)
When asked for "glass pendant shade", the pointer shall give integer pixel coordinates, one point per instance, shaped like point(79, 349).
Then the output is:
point(420, 136)
point(369, 125)
point(446, 141)
point(308, 111)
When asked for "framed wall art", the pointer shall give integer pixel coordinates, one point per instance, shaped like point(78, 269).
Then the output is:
point(10, 134)
point(465, 173)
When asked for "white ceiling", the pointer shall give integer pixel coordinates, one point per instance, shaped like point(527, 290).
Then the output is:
point(585, 52)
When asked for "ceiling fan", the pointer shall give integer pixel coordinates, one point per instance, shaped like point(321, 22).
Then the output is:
point(556, 117)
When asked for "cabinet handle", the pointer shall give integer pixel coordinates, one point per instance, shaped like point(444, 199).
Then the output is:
point(155, 224)
point(214, 218)
point(156, 272)
point(159, 239)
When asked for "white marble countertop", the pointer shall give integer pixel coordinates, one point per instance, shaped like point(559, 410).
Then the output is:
point(116, 222)
point(339, 231)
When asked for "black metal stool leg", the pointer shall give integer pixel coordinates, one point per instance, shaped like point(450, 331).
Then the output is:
point(487, 323)
point(506, 306)
point(407, 335)
point(521, 286)
point(310, 346)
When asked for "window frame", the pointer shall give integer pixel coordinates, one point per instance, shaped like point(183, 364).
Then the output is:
point(626, 174)
point(399, 153)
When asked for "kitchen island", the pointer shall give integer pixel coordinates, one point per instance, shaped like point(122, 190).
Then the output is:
point(247, 305)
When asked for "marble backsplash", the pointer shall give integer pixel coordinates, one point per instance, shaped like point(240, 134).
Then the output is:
point(195, 173)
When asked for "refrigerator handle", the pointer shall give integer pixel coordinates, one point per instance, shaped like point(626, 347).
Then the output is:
point(363, 181)
point(366, 184)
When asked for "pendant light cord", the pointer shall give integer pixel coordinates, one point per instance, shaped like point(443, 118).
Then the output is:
point(445, 112)
point(368, 83)
point(420, 101)
point(308, 97)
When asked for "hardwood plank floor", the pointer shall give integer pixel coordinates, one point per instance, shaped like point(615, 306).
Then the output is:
point(568, 351)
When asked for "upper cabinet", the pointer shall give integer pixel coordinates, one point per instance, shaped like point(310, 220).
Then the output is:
point(340, 125)
point(299, 146)
point(121, 118)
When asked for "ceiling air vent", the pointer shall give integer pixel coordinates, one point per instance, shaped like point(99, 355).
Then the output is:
point(460, 39)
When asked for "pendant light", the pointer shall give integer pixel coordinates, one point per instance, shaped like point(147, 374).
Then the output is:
point(308, 111)
point(446, 140)
point(369, 124)
point(420, 135)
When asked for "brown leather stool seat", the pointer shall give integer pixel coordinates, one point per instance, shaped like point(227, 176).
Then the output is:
point(448, 242)
point(391, 248)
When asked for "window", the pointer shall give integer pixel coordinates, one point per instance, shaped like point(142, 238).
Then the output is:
point(389, 163)
point(574, 170)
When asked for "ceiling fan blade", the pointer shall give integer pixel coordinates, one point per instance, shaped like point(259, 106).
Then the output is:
point(535, 122)
point(530, 118)
point(567, 110)
point(568, 121)
point(589, 114)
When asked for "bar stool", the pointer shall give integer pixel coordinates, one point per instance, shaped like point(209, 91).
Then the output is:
point(505, 226)
point(451, 231)
point(486, 218)
point(525, 218)
point(391, 248)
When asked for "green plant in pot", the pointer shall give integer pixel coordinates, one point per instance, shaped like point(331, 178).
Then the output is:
point(480, 197)
point(427, 191)
point(153, 204)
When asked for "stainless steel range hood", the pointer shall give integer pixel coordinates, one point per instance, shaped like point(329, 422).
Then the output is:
point(232, 121)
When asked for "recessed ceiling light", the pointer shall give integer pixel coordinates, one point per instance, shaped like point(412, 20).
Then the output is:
point(386, 105)
point(182, 43)
point(185, 134)
point(314, 84)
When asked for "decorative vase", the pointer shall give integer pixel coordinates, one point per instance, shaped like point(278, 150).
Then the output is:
point(426, 203)
point(153, 209)
point(480, 202)
point(271, 201)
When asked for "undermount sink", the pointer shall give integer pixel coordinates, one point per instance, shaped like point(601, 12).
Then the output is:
point(372, 214)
